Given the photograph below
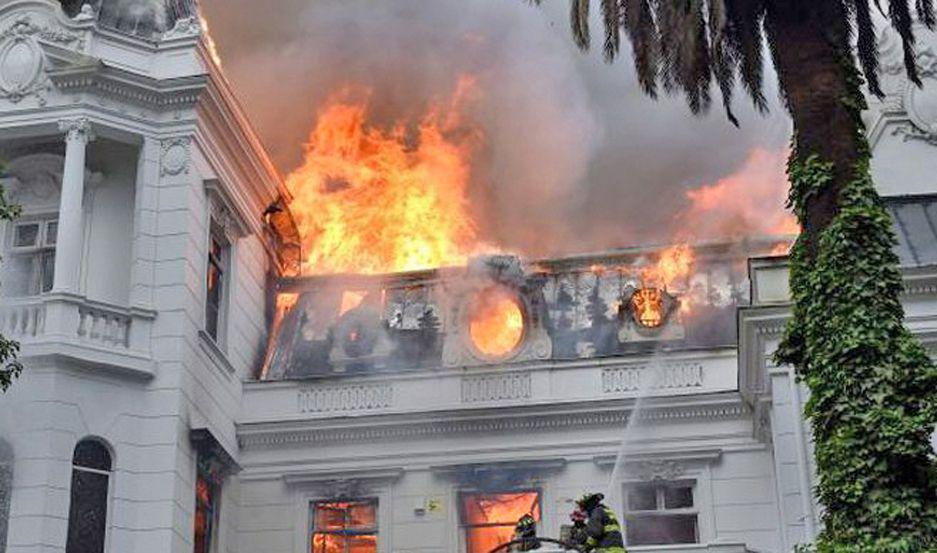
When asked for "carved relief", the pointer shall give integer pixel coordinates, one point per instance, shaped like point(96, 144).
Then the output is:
point(495, 387)
point(639, 377)
point(919, 103)
point(649, 471)
point(175, 156)
point(354, 397)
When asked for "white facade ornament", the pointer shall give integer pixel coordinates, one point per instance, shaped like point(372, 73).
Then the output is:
point(641, 377)
point(649, 471)
point(185, 27)
point(86, 13)
point(919, 104)
point(175, 156)
point(77, 129)
point(354, 397)
point(21, 63)
point(496, 387)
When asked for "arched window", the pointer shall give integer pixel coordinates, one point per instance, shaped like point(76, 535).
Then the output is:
point(6, 490)
point(87, 513)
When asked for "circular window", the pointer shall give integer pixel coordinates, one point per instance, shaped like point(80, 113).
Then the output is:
point(496, 322)
point(647, 307)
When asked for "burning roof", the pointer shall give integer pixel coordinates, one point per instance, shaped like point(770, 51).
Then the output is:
point(498, 310)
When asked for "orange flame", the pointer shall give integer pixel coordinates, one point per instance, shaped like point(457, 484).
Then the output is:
point(209, 41)
point(496, 323)
point(369, 200)
point(673, 264)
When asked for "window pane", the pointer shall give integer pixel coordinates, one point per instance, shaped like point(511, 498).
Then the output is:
point(483, 540)
point(503, 508)
point(678, 497)
point(18, 273)
point(330, 516)
point(661, 529)
point(26, 235)
point(47, 270)
point(52, 230)
point(328, 543)
point(642, 498)
point(91, 454)
point(362, 516)
point(362, 544)
point(87, 512)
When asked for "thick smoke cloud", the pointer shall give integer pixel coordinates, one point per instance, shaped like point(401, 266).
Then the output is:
point(576, 158)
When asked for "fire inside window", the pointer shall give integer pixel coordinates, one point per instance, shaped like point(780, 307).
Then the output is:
point(661, 514)
point(345, 527)
point(215, 284)
point(647, 304)
point(496, 322)
point(206, 509)
point(489, 518)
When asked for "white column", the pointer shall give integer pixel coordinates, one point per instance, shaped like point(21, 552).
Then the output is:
point(71, 227)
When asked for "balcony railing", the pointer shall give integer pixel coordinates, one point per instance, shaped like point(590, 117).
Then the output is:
point(94, 333)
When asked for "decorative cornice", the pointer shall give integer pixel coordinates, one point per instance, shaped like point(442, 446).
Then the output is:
point(371, 429)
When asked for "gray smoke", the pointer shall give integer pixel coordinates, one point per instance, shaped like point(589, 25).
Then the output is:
point(576, 158)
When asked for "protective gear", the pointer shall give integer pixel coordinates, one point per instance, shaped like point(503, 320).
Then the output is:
point(603, 532)
point(577, 534)
point(526, 529)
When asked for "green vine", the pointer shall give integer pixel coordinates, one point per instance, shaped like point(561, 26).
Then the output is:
point(10, 368)
point(873, 388)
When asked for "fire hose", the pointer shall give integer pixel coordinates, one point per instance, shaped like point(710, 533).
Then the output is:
point(526, 541)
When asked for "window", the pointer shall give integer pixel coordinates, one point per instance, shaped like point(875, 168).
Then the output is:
point(216, 283)
point(87, 513)
point(660, 514)
point(30, 262)
point(207, 493)
point(489, 518)
point(345, 527)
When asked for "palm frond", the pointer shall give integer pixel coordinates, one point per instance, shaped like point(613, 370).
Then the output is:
point(638, 21)
point(611, 17)
point(866, 45)
point(579, 22)
point(899, 12)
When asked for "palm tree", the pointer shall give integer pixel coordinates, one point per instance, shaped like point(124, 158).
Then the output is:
point(873, 402)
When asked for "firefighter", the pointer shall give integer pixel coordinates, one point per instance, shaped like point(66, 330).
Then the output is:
point(577, 534)
point(603, 533)
point(526, 530)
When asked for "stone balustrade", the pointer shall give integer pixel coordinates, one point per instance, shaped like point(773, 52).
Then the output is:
point(66, 325)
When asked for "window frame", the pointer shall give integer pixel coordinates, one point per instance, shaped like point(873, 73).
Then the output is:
point(661, 510)
point(214, 483)
point(464, 527)
point(222, 263)
point(375, 531)
point(109, 496)
point(45, 245)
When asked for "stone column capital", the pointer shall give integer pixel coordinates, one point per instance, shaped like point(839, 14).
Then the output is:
point(78, 129)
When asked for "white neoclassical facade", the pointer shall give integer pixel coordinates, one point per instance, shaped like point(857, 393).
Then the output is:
point(184, 392)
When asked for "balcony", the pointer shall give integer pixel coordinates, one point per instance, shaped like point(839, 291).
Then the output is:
point(82, 331)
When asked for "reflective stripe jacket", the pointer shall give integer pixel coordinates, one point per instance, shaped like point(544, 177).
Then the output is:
point(604, 532)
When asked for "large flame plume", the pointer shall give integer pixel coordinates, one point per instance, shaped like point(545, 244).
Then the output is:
point(372, 200)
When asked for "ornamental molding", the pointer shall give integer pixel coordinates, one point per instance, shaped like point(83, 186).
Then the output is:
point(23, 62)
point(297, 433)
point(645, 377)
point(496, 387)
point(78, 128)
point(224, 213)
point(185, 27)
point(345, 483)
point(347, 398)
point(175, 156)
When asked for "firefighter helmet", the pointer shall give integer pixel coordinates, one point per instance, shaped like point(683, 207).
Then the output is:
point(588, 501)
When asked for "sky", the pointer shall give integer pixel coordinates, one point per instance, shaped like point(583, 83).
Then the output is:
point(576, 157)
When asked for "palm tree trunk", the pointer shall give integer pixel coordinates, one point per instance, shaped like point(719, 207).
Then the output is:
point(872, 402)
point(813, 70)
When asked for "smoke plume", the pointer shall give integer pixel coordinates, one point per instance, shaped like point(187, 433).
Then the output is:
point(576, 158)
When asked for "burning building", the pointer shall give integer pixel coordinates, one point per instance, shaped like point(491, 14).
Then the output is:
point(218, 359)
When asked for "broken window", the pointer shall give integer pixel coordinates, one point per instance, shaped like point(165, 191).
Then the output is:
point(216, 283)
point(489, 518)
point(206, 508)
point(345, 527)
point(661, 514)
